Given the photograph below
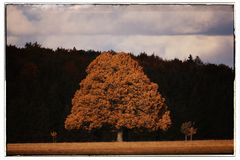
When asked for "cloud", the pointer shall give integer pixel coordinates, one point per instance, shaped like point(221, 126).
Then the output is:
point(170, 31)
point(212, 49)
point(125, 20)
point(17, 23)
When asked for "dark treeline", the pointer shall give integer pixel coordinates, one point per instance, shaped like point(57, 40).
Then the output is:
point(41, 83)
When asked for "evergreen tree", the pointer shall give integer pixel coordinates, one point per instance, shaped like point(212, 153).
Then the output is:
point(198, 61)
point(190, 59)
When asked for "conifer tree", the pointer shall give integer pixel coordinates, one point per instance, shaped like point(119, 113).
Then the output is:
point(116, 92)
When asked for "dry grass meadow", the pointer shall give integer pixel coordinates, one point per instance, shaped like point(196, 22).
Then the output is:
point(202, 147)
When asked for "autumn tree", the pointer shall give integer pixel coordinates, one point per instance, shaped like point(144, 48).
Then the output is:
point(116, 92)
point(188, 129)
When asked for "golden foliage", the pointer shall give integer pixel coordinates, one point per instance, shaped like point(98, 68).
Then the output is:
point(117, 92)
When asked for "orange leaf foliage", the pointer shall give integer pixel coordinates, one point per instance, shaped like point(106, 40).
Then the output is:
point(118, 93)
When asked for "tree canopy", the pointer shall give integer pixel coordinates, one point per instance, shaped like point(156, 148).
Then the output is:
point(41, 82)
point(188, 129)
point(116, 92)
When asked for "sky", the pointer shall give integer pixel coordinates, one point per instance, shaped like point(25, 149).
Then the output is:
point(169, 31)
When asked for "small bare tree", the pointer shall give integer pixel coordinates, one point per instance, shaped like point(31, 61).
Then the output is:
point(54, 136)
point(188, 129)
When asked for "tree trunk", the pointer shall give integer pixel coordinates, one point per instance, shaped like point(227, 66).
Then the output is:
point(191, 137)
point(185, 137)
point(120, 136)
point(54, 139)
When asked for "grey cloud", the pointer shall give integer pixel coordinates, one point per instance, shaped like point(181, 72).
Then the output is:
point(171, 31)
point(225, 29)
point(225, 53)
point(130, 20)
point(212, 49)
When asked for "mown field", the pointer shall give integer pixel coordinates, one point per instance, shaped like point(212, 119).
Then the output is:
point(205, 147)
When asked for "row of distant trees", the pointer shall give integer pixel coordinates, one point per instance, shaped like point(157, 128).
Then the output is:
point(41, 83)
point(187, 128)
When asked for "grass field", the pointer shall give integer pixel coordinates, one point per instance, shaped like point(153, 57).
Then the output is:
point(124, 148)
